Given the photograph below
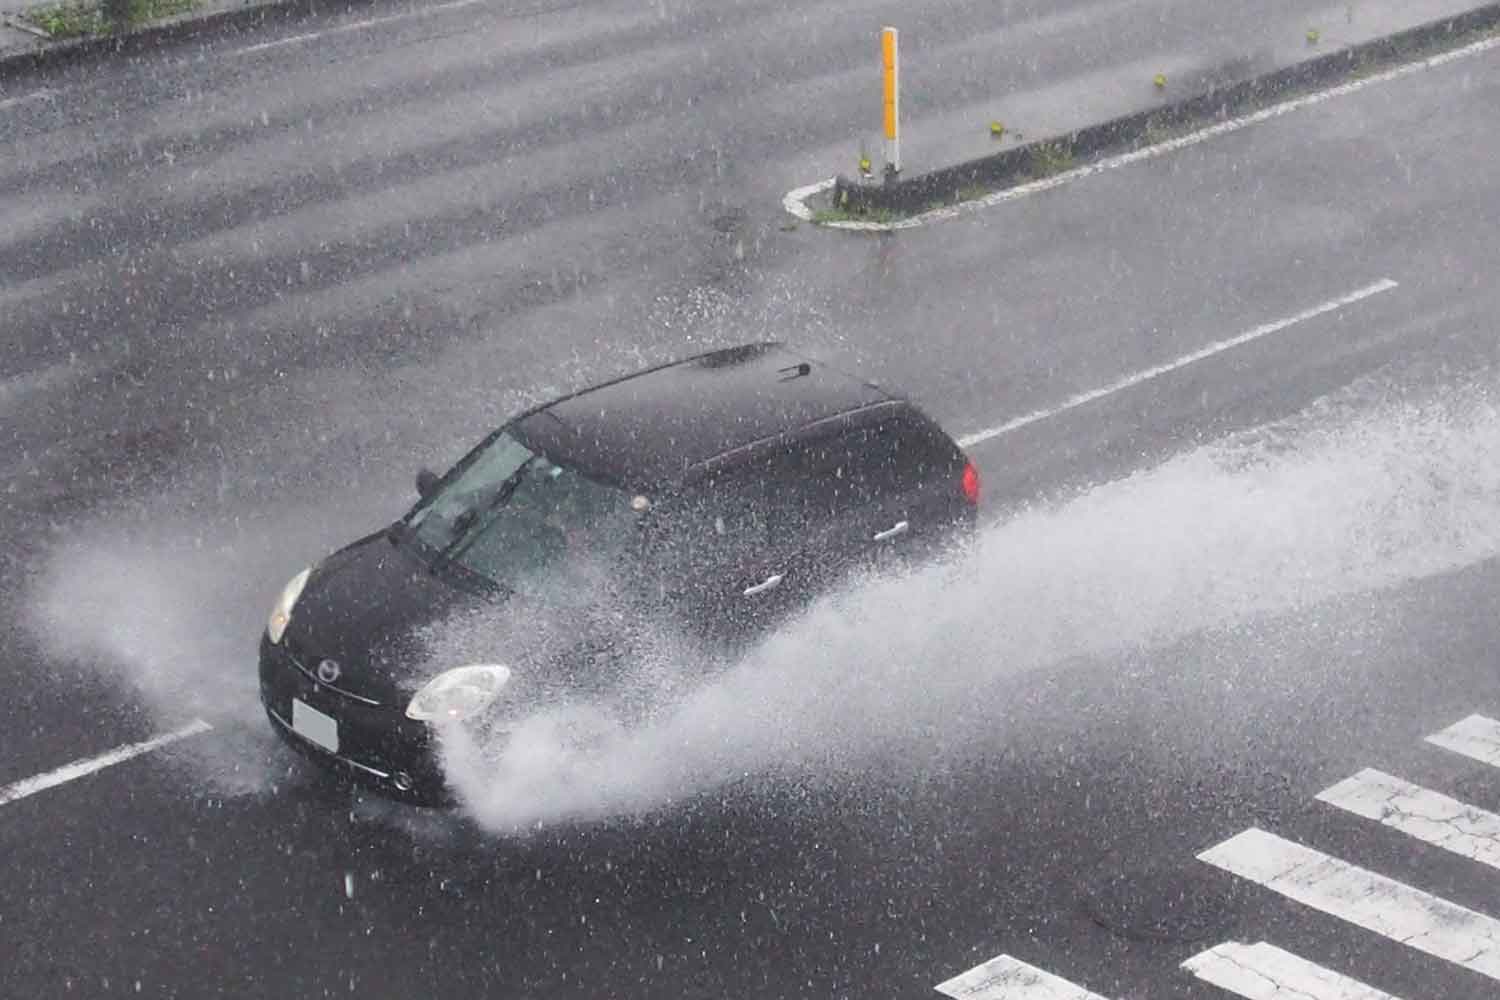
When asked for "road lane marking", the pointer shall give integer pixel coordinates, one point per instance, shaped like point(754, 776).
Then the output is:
point(1426, 815)
point(1476, 737)
point(1264, 330)
point(1006, 978)
point(1265, 972)
point(80, 768)
point(1392, 909)
point(38, 95)
point(798, 205)
point(373, 22)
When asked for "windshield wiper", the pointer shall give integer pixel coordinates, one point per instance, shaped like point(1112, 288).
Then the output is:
point(466, 535)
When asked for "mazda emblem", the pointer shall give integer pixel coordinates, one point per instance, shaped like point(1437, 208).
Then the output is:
point(328, 671)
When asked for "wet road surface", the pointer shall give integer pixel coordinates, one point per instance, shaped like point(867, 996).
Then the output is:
point(251, 284)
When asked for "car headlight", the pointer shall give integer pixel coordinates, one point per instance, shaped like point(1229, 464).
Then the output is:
point(281, 612)
point(458, 693)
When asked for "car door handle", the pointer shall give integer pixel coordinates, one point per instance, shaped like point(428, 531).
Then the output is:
point(769, 583)
point(899, 528)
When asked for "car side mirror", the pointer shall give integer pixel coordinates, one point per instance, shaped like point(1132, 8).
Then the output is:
point(427, 481)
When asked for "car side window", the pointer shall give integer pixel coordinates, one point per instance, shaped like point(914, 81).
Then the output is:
point(830, 477)
point(712, 526)
point(810, 484)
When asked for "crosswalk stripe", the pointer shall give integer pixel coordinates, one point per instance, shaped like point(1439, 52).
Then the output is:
point(1476, 737)
point(1265, 972)
point(1007, 978)
point(1429, 816)
point(1374, 902)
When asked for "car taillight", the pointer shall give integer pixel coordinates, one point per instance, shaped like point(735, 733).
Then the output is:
point(971, 483)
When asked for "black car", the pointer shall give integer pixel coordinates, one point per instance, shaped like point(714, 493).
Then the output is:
point(718, 493)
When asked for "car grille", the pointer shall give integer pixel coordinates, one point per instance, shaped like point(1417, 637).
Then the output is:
point(307, 663)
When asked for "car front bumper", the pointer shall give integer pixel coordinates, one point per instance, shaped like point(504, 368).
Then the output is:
point(377, 746)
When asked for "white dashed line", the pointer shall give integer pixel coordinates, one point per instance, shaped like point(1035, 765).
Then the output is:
point(1265, 330)
point(1476, 737)
point(1392, 909)
point(87, 766)
point(1426, 815)
point(799, 208)
point(1265, 972)
point(373, 22)
point(1006, 978)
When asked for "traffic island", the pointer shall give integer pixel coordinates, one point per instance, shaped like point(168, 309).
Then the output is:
point(899, 201)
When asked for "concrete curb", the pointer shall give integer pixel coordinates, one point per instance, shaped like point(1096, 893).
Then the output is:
point(908, 196)
point(158, 33)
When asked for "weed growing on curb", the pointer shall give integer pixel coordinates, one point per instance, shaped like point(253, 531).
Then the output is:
point(77, 18)
point(68, 20)
point(1050, 158)
point(882, 216)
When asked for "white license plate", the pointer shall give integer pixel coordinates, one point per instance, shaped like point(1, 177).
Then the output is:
point(312, 724)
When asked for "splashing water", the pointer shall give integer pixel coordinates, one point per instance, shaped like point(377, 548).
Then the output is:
point(894, 673)
point(1358, 492)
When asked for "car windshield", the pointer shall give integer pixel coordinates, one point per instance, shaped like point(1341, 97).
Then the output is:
point(513, 512)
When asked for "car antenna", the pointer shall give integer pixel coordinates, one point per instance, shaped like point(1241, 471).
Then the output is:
point(797, 371)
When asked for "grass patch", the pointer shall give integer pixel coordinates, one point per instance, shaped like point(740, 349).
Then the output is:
point(1050, 158)
point(1155, 133)
point(68, 20)
point(1160, 130)
point(77, 18)
point(883, 216)
point(971, 192)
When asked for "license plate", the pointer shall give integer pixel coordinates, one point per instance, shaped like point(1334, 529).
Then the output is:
point(312, 724)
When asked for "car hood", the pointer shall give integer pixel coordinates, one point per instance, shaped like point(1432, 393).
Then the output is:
point(377, 610)
point(363, 606)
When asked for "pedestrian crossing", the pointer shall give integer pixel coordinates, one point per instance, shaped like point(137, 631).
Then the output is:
point(1265, 972)
point(1005, 977)
point(1352, 895)
point(1428, 816)
point(1392, 909)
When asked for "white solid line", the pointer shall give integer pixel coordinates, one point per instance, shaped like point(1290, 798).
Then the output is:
point(1476, 737)
point(39, 95)
point(1265, 972)
point(1264, 330)
point(355, 26)
point(1426, 815)
point(1397, 911)
point(80, 768)
point(1172, 145)
point(1006, 978)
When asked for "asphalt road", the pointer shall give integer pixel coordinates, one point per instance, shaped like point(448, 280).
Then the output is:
point(249, 284)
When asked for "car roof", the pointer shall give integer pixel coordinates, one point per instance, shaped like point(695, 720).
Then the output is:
point(651, 427)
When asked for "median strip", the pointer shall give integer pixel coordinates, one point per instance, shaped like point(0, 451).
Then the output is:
point(1049, 162)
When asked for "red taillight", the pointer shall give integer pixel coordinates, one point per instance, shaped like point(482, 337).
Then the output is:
point(971, 483)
